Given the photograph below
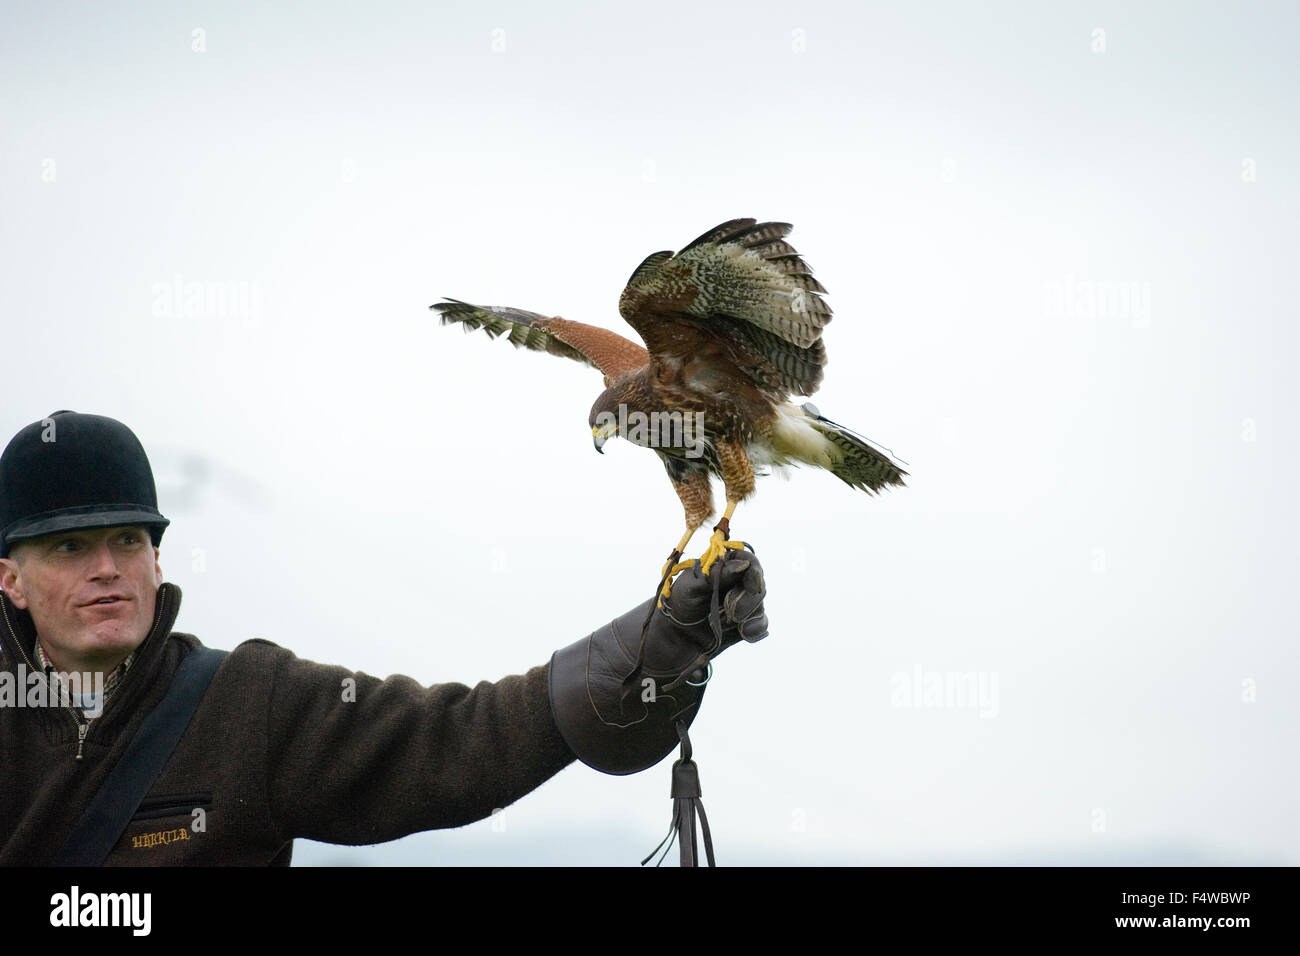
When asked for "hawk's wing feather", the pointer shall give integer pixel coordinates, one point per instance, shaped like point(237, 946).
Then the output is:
point(741, 282)
point(599, 348)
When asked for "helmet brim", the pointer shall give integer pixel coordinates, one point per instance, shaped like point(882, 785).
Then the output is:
point(76, 519)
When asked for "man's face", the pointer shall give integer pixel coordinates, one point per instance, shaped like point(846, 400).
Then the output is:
point(91, 593)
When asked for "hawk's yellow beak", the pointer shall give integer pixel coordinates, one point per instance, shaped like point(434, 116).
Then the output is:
point(600, 435)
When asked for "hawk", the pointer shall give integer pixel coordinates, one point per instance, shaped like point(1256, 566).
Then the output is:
point(732, 327)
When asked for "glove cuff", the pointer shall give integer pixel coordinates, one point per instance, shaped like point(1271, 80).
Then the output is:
point(612, 722)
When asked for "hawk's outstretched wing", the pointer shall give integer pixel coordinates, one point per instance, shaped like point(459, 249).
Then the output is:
point(742, 284)
point(600, 348)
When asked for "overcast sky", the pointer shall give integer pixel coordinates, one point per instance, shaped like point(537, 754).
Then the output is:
point(1060, 242)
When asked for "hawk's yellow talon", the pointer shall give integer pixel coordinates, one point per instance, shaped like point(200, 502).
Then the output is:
point(668, 582)
point(718, 546)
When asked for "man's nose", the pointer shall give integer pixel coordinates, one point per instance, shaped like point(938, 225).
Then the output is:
point(103, 564)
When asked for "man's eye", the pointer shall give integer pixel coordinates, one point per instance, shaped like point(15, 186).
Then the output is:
point(71, 544)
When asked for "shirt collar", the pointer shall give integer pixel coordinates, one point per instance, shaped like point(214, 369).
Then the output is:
point(91, 708)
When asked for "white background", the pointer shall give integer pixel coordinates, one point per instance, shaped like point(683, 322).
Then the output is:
point(1100, 519)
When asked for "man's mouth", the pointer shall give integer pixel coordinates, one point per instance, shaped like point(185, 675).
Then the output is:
point(105, 601)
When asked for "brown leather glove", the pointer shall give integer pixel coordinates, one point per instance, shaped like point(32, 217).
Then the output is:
point(617, 699)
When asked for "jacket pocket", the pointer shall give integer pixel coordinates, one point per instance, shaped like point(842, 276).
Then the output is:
point(154, 808)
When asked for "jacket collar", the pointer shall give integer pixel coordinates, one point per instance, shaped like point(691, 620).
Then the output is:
point(18, 632)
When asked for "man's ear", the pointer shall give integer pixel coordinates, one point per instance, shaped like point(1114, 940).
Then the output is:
point(157, 570)
point(9, 583)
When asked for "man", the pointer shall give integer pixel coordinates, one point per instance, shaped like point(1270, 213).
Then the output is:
point(278, 747)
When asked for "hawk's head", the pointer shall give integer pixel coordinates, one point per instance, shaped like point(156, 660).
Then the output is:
point(604, 418)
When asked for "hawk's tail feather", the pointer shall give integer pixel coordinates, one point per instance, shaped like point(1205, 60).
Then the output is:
point(856, 462)
point(801, 435)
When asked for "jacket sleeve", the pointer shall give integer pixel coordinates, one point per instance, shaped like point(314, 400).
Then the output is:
point(353, 759)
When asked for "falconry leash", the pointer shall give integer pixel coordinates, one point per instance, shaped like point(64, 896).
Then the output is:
point(686, 804)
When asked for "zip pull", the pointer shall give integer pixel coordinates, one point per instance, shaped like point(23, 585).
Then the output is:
point(82, 727)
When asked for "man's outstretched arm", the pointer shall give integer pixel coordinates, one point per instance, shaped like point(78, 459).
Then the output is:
point(354, 759)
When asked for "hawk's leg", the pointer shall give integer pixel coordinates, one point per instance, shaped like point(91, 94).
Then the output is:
point(738, 477)
point(697, 502)
point(676, 556)
point(719, 543)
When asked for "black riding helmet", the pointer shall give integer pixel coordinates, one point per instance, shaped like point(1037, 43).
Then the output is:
point(70, 472)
